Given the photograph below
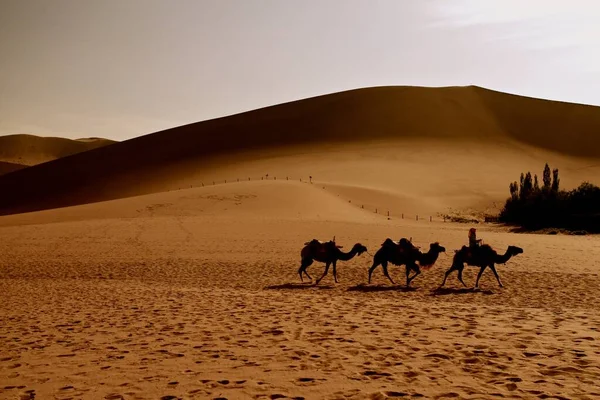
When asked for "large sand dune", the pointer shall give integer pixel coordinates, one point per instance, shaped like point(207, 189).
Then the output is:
point(194, 293)
point(455, 147)
point(32, 150)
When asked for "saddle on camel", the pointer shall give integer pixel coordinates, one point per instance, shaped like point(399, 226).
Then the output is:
point(404, 246)
point(318, 247)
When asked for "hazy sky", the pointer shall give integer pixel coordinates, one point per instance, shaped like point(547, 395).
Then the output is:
point(125, 68)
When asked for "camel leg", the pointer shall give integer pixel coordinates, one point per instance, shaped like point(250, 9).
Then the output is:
point(306, 262)
point(452, 268)
point(417, 270)
point(384, 265)
point(479, 275)
point(324, 273)
point(334, 271)
point(373, 267)
point(460, 271)
point(493, 268)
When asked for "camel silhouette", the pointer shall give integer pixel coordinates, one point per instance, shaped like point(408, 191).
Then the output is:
point(325, 252)
point(405, 253)
point(482, 257)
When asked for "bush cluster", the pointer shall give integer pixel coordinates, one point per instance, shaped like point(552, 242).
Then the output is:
point(532, 205)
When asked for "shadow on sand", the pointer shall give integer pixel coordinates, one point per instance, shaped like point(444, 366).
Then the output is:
point(376, 288)
point(446, 291)
point(308, 285)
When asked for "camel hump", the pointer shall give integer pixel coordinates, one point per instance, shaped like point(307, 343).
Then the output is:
point(313, 241)
point(388, 242)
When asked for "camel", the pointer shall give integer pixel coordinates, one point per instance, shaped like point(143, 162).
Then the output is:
point(483, 258)
point(404, 252)
point(328, 253)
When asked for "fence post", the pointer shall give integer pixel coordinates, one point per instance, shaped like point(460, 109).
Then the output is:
point(388, 213)
point(417, 217)
point(430, 218)
point(402, 215)
point(376, 211)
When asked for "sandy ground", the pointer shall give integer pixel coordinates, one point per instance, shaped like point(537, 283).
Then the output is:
point(195, 294)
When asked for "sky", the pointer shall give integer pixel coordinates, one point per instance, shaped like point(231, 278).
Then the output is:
point(126, 68)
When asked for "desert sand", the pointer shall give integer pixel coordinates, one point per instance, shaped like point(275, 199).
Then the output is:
point(155, 283)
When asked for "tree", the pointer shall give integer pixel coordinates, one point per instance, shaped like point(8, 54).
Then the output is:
point(547, 178)
point(536, 184)
point(555, 181)
point(527, 186)
point(514, 190)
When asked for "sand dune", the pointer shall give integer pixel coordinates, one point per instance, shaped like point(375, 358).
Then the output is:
point(32, 150)
point(194, 293)
point(479, 127)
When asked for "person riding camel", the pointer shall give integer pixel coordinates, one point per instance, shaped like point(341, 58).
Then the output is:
point(474, 243)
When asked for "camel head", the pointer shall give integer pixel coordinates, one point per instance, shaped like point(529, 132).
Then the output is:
point(514, 250)
point(437, 247)
point(359, 248)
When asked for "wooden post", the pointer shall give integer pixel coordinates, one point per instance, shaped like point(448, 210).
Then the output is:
point(238, 179)
point(417, 217)
point(202, 184)
point(402, 215)
point(430, 218)
point(225, 180)
point(388, 213)
point(213, 183)
point(287, 178)
point(275, 178)
point(362, 206)
point(376, 211)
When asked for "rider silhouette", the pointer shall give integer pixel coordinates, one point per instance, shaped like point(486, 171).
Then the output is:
point(474, 243)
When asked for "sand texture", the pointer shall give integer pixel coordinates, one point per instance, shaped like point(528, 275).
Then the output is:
point(195, 294)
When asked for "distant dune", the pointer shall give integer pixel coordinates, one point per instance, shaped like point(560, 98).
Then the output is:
point(32, 150)
point(430, 147)
point(6, 167)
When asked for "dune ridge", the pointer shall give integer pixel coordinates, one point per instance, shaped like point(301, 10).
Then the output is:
point(453, 116)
